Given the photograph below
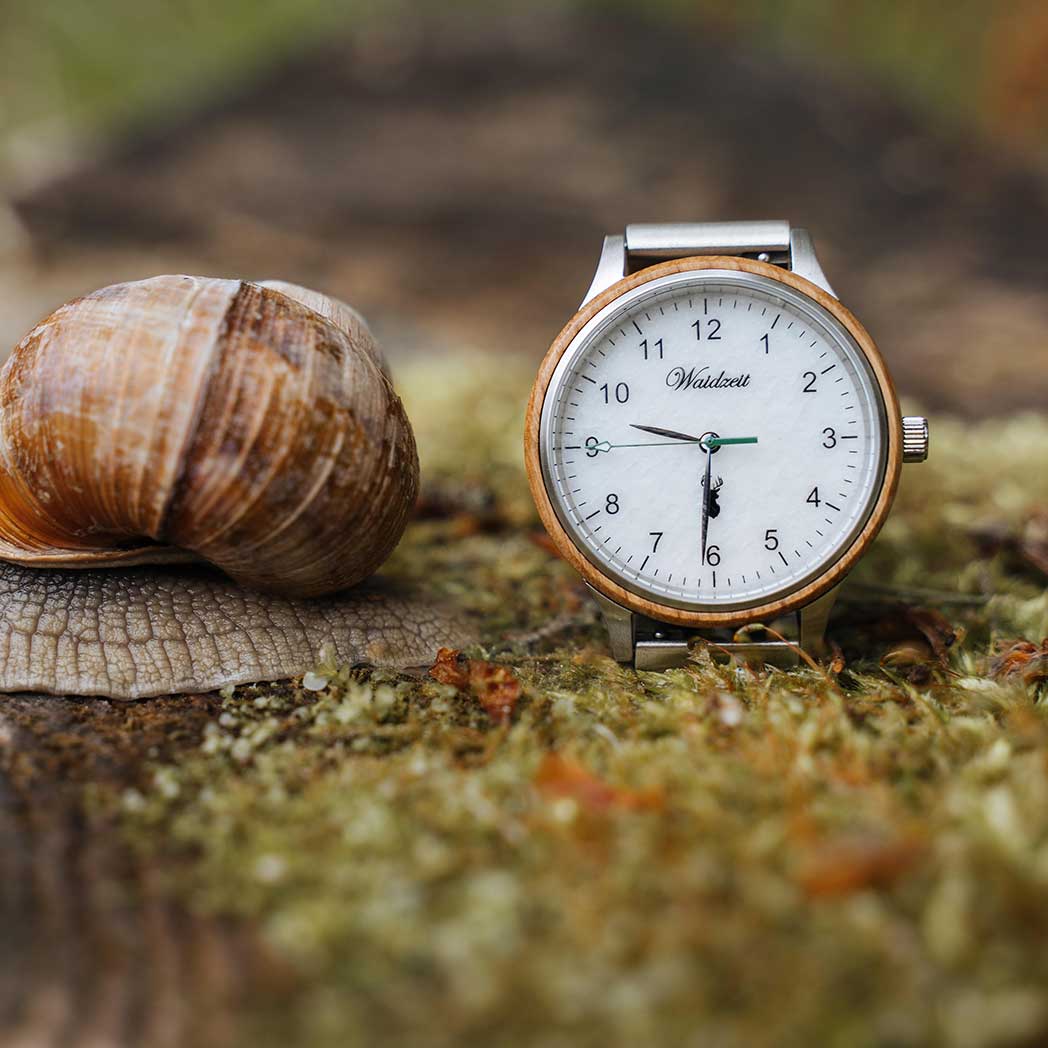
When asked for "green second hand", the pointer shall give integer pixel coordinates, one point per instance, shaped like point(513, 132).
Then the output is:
point(719, 442)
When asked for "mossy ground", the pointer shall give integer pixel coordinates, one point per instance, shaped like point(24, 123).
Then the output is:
point(854, 854)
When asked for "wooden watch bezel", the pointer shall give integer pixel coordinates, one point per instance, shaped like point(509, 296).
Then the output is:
point(770, 610)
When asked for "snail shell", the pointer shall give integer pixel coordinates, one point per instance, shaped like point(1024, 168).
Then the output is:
point(187, 418)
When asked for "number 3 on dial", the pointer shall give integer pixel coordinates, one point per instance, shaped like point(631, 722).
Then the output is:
point(624, 464)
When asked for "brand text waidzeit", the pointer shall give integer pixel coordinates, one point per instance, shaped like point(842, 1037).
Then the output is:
point(703, 378)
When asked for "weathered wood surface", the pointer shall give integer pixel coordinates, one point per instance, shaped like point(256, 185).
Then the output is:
point(92, 950)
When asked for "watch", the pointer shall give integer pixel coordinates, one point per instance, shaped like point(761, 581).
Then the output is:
point(713, 441)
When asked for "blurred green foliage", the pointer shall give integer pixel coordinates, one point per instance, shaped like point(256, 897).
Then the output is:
point(970, 62)
point(71, 71)
point(927, 48)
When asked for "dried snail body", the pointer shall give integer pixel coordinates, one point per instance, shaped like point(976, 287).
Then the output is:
point(185, 419)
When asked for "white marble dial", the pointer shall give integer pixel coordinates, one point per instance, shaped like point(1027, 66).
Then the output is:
point(751, 362)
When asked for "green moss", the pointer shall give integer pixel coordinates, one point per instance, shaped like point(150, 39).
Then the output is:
point(717, 855)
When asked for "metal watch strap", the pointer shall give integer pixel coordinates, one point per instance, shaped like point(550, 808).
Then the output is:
point(645, 642)
point(651, 645)
point(770, 240)
point(647, 243)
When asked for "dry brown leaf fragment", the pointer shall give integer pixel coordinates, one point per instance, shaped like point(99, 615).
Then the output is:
point(837, 661)
point(914, 660)
point(449, 668)
point(494, 687)
point(855, 863)
point(559, 776)
point(932, 625)
point(1021, 658)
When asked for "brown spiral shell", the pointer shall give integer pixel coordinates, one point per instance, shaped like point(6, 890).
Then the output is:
point(188, 418)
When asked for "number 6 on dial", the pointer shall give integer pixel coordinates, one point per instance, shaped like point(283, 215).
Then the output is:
point(634, 508)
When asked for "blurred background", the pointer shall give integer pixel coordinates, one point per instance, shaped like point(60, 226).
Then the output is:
point(450, 168)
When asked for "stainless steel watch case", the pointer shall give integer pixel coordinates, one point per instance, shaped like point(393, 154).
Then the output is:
point(647, 643)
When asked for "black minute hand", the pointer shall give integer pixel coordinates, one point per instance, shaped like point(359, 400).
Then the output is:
point(706, 500)
point(672, 433)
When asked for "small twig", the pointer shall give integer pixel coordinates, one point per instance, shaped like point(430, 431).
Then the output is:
point(801, 653)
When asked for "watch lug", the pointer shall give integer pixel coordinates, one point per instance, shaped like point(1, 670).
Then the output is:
point(619, 622)
point(611, 267)
point(621, 625)
point(813, 621)
point(804, 262)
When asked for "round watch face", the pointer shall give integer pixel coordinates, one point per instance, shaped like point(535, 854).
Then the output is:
point(713, 440)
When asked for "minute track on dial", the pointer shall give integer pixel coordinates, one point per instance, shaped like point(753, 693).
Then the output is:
point(617, 503)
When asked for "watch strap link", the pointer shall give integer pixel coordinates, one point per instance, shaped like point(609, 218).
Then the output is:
point(648, 243)
point(657, 646)
point(652, 645)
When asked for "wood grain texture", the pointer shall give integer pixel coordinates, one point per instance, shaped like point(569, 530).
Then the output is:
point(770, 610)
point(130, 633)
point(94, 952)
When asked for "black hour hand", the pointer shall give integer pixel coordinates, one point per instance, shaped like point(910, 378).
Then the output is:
point(671, 433)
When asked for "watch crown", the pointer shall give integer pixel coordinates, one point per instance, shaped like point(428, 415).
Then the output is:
point(914, 438)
